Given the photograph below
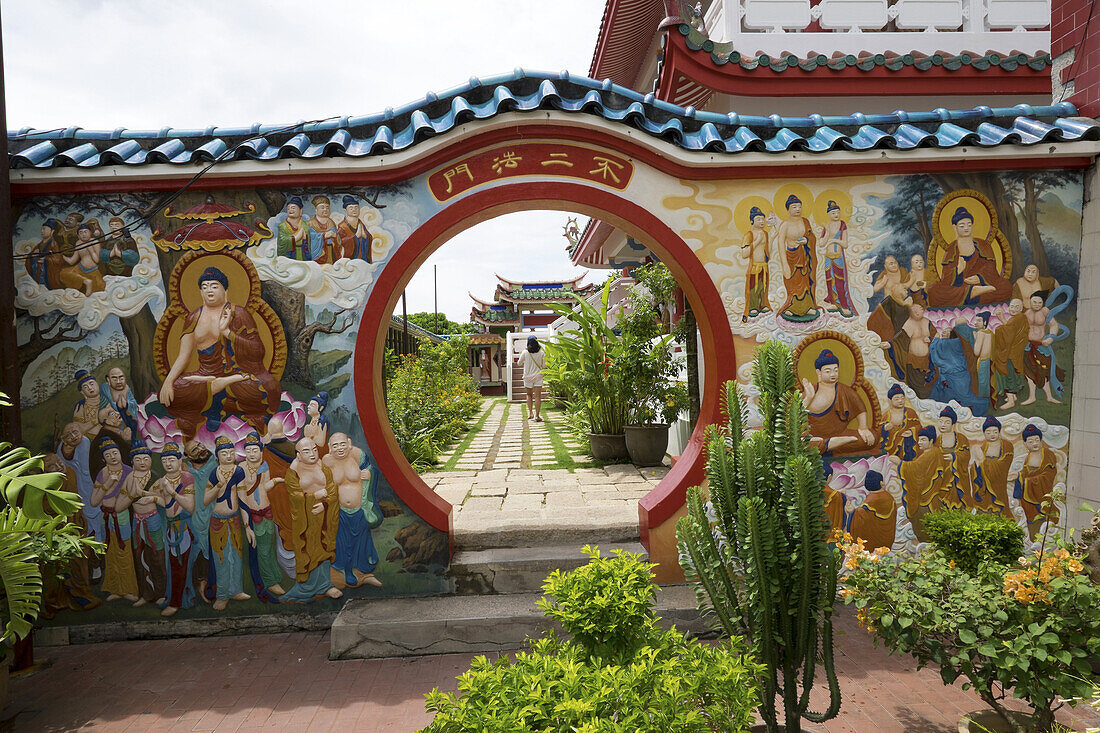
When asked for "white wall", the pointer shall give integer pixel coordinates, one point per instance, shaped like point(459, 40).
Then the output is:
point(1084, 449)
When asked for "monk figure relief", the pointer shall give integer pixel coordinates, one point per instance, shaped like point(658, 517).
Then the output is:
point(833, 406)
point(356, 557)
point(315, 511)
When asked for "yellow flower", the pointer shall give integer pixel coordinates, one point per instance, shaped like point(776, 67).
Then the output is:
point(882, 550)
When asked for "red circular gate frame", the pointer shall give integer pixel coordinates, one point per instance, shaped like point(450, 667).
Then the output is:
point(710, 313)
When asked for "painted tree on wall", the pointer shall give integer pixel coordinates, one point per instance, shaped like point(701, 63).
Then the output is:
point(1026, 188)
point(911, 219)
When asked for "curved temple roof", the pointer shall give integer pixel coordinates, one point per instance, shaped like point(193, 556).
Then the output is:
point(527, 91)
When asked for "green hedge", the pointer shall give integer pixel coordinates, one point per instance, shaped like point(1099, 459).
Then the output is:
point(971, 539)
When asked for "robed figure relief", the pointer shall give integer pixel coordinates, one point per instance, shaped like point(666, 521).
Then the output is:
point(969, 265)
point(797, 246)
point(1034, 482)
point(226, 353)
point(835, 236)
point(900, 426)
point(840, 403)
point(754, 249)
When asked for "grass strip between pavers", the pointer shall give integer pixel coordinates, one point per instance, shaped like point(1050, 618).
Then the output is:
point(563, 458)
point(473, 432)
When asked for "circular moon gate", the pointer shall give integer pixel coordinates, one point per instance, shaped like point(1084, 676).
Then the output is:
point(719, 363)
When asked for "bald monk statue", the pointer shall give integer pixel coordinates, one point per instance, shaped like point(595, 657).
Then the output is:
point(314, 511)
point(356, 557)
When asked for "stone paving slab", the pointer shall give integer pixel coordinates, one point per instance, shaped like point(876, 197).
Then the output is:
point(501, 493)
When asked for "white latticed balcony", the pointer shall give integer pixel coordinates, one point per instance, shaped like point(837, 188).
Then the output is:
point(777, 27)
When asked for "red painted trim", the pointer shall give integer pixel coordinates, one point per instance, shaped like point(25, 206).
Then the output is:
point(670, 493)
point(732, 78)
point(822, 167)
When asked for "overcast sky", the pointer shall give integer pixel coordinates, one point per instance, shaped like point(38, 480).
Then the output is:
point(122, 63)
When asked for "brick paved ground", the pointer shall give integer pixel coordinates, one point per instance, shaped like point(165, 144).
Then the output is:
point(285, 682)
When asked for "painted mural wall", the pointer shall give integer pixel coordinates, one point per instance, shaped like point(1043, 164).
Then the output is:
point(932, 318)
point(190, 368)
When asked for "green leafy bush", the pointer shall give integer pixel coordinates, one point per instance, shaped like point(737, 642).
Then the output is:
point(34, 530)
point(606, 605)
point(1031, 629)
point(430, 399)
point(585, 359)
point(971, 539)
point(619, 673)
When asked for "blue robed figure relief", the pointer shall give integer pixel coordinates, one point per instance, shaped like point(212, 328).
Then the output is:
point(953, 379)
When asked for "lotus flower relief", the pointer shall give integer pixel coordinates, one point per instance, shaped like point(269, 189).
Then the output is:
point(157, 430)
point(849, 478)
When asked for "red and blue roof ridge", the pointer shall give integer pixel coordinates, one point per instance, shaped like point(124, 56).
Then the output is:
point(403, 127)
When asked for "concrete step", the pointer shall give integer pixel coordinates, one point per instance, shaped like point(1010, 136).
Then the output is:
point(520, 569)
point(597, 527)
point(405, 627)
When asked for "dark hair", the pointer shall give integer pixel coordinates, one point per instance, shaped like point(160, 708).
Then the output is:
point(533, 345)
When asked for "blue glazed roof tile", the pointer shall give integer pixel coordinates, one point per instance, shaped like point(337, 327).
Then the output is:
point(522, 91)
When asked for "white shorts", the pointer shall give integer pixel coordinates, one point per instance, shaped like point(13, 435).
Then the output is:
point(532, 381)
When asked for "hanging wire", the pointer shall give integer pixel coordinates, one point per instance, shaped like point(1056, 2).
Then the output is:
point(172, 196)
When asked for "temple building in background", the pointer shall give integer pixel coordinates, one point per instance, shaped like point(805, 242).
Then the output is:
point(516, 306)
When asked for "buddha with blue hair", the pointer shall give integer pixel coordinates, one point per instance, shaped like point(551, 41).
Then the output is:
point(997, 454)
point(232, 376)
point(798, 247)
point(754, 248)
point(833, 406)
point(968, 269)
point(1034, 482)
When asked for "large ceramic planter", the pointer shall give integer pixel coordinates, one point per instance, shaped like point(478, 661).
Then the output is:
point(988, 721)
point(608, 447)
point(647, 444)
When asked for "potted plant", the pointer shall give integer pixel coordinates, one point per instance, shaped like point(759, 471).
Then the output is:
point(587, 357)
point(756, 550)
point(648, 367)
point(1030, 629)
point(33, 509)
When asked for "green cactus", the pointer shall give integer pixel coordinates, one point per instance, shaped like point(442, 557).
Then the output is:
point(756, 551)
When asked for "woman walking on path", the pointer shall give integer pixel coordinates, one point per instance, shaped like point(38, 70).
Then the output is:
point(533, 360)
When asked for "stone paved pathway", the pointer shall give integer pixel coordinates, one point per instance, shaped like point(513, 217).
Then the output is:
point(509, 476)
point(507, 440)
point(526, 499)
point(284, 682)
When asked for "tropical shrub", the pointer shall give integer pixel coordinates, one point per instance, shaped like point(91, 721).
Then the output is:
point(620, 672)
point(756, 551)
point(430, 398)
point(646, 361)
point(971, 539)
point(587, 358)
point(1033, 628)
point(34, 529)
